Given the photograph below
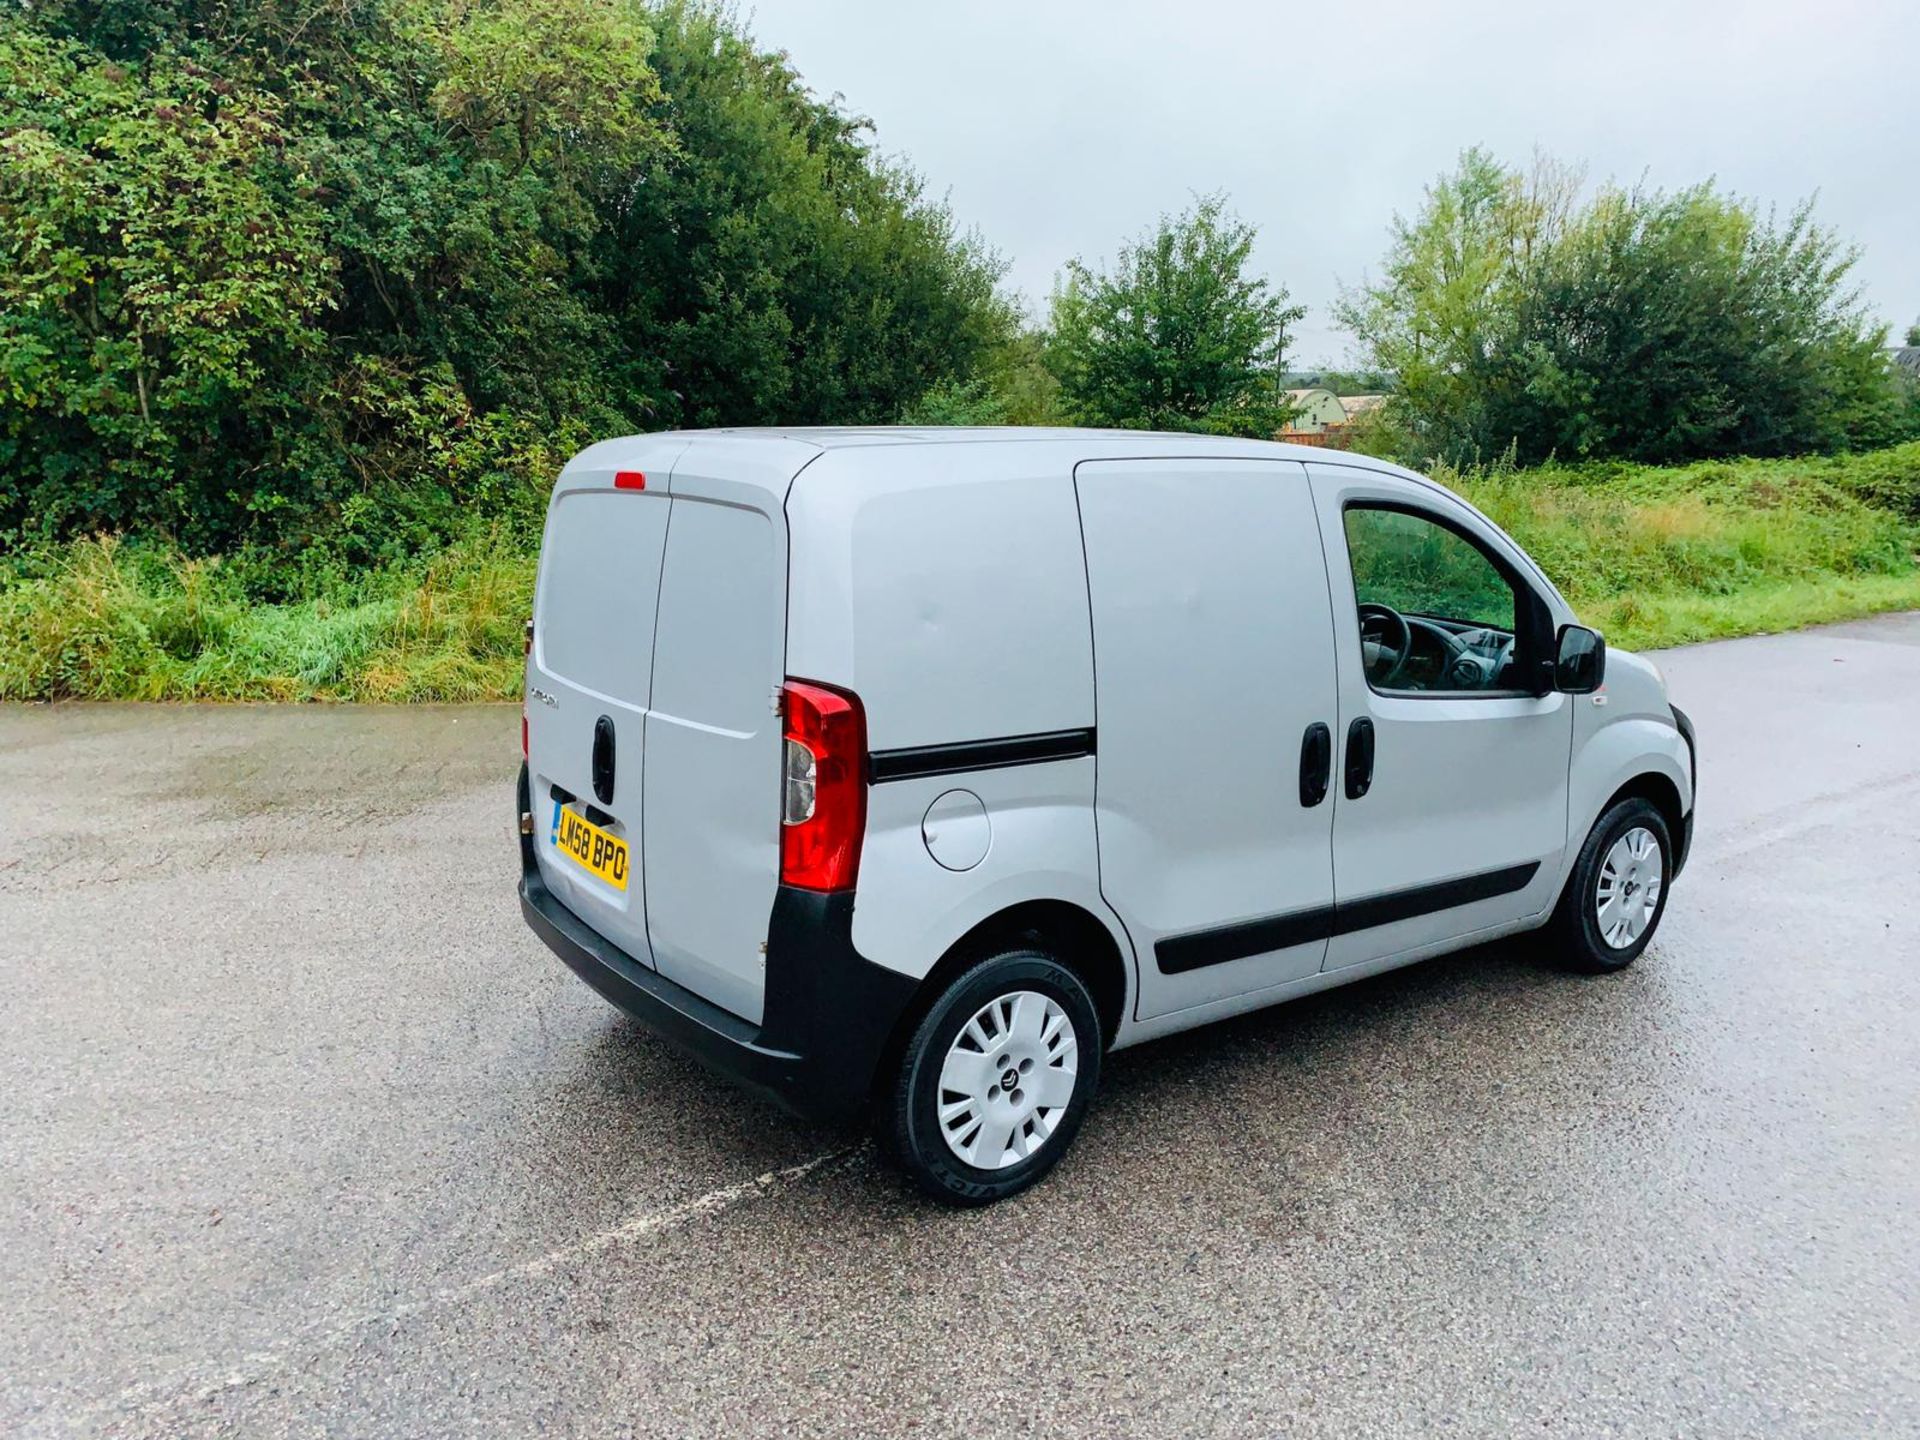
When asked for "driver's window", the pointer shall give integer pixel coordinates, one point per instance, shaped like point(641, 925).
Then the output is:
point(1435, 613)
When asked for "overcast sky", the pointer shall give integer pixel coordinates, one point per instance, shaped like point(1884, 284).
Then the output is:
point(1059, 127)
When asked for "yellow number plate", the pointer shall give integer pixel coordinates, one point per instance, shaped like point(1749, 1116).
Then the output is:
point(590, 847)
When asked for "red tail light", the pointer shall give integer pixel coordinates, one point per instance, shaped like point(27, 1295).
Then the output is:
point(823, 802)
point(526, 748)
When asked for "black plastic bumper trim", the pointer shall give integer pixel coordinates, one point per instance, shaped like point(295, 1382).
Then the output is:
point(827, 1012)
point(915, 761)
point(1178, 954)
point(1683, 842)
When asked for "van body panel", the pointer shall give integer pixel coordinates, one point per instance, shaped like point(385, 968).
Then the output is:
point(592, 658)
point(763, 460)
point(659, 617)
point(948, 592)
point(1213, 655)
point(1175, 1022)
point(1041, 846)
point(1626, 730)
point(1470, 789)
point(712, 817)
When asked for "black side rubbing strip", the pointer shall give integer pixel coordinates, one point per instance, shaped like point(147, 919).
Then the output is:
point(1426, 899)
point(1178, 954)
point(915, 761)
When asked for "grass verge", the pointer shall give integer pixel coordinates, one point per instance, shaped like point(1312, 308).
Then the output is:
point(105, 620)
point(1667, 555)
point(1652, 556)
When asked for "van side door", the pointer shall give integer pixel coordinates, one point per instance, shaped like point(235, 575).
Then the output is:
point(1213, 664)
point(1450, 813)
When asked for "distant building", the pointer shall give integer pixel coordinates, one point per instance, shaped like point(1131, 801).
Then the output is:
point(1322, 417)
point(1314, 412)
point(1907, 357)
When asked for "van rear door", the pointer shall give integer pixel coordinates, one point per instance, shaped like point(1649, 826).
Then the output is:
point(590, 679)
point(713, 730)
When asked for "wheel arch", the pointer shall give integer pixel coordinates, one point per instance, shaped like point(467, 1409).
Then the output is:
point(1634, 750)
point(1658, 790)
point(1068, 932)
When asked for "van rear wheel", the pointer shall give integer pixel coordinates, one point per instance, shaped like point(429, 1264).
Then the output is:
point(995, 1080)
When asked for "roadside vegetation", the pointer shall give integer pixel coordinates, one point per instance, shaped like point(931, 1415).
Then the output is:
point(302, 308)
point(1652, 555)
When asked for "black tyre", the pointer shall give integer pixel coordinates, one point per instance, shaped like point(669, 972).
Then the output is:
point(1618, 890)
point(995, 1080)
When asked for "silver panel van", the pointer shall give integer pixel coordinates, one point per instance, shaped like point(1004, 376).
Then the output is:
point(905, 774)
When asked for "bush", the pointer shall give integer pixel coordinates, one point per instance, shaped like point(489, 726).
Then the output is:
point(1649, 326)
point(1178, 336)
point(281, 280)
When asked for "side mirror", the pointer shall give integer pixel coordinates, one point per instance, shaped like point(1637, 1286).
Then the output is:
point(1580, 660)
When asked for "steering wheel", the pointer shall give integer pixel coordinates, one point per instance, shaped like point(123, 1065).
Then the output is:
point(1394, 644)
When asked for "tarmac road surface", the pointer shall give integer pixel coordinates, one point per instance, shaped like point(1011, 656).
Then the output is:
point(302, 1132)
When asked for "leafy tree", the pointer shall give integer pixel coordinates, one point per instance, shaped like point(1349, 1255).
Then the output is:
point(957, 402)
point(1341, 382)
point(1012, 385)
point(1640, 324)
point(1178, 336)
point(769, 269)
point(1438, 315)
point(347, 276)
point(161, 260)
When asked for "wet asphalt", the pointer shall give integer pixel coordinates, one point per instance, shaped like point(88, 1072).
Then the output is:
point(302, 1132)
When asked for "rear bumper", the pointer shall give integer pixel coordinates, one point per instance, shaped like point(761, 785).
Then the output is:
point(828, 1017)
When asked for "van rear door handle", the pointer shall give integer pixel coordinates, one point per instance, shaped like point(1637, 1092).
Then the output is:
point(1316, 764)
point(1359, 757)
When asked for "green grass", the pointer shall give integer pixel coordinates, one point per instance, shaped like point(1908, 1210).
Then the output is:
point(1651, 556)
point(1662, 556)
point(103, 620)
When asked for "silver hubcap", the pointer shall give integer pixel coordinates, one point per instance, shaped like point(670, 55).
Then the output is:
point(1629, 889)
point(1007, 1080)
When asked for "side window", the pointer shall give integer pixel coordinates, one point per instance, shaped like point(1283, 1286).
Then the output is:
point(1436, 613)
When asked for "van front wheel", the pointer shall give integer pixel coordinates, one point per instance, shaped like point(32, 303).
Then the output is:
point(994, 1081)
point(1617, 893)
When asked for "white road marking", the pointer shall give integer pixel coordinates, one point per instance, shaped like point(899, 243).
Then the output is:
point(151, 1400)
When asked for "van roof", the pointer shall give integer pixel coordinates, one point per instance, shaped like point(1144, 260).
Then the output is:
point(840, 437)
point(770, 456)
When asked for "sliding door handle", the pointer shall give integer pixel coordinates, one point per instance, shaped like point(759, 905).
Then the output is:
point(1316, 764)
point(1359, 757)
